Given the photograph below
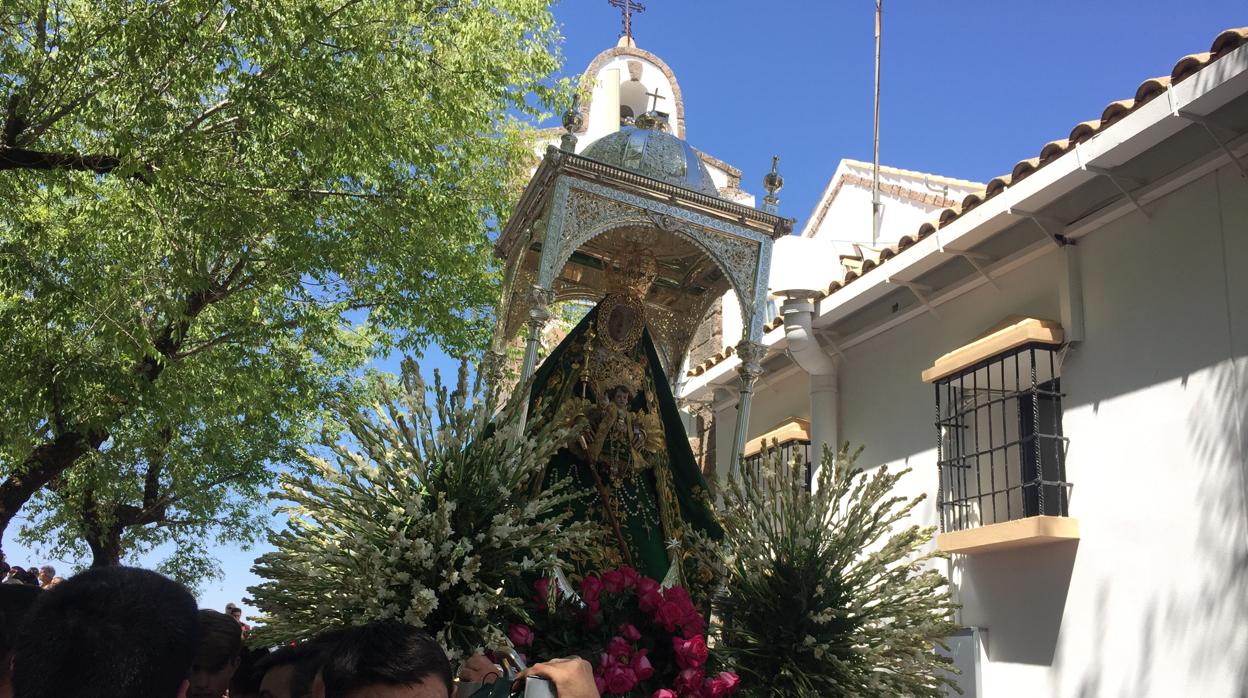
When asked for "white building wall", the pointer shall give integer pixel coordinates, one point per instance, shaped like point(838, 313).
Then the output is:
point(1153, 600)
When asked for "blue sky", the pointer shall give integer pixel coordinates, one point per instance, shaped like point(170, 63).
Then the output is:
point(968, 89)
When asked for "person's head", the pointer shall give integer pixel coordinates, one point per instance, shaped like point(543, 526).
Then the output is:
point(55, 581)
point(110, 632)
point(217, 656)
point(246, 681)
point(289, 672)
point(386, 659)
point(236, 613)
point(15, 602)
point(15, 571)
point(46, 573)
point(621, 395)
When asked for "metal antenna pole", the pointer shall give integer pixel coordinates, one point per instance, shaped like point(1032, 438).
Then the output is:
point(877, 209)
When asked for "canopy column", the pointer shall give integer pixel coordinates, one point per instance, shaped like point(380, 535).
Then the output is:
point(751, 354)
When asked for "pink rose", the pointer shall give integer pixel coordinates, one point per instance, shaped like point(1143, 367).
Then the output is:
point(620, 649)
point(641, 666)
point(520, 634)
point(689, 681)
point(630, 632)
point(620, 680)
point(691, 653)
point(664, 693)
point(613, 581)
point(722, 685)
point(600, 683)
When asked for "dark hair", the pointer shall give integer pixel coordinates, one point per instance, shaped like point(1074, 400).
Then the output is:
point(306, 659)
point(389, 653)
point(110, 632)
point(16, 601)
point(220, 640)
point(246, 680)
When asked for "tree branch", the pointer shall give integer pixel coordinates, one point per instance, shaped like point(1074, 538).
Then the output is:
point(23, 159)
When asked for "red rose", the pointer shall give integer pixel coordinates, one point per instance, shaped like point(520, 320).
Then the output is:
point(641, 666)
point(591, 589)
point(689, 681)
point(722, 685)
point(620, 649)
point(600, 683)
point(613, 581)
point(664, 693)
point(670, 614)
point(543, 592)
point(649, 603)
point(691, 653)
point(632, 578)
point(520, 634)
point(620, 680)
point(630, 632)
point(693, 626)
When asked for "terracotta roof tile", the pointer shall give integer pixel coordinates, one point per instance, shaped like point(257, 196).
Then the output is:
point(1114, 111)
point(857, 265)
point(996, 186)
point(1053, 150)
point(1228, 41)
point(948, 216)
point(1150, 88)
point(1188, 65)
point(1023, 168)
point(1083, 131)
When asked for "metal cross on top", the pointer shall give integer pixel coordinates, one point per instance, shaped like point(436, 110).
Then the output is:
point(654, 99)
point(627, 8)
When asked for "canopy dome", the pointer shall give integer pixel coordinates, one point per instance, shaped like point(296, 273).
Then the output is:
point(653, 153)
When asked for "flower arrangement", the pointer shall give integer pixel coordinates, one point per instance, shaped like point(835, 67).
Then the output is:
point(642, 639)
point(830, 593)
point(419, 523)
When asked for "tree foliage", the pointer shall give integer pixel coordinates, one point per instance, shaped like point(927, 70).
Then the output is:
point(424, 513)
point(830, 593)
point(212, 212)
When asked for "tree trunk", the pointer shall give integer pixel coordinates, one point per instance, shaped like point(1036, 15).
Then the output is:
point(45, 463)
point(105, 546)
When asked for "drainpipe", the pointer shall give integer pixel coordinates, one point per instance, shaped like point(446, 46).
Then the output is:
point(798, 312)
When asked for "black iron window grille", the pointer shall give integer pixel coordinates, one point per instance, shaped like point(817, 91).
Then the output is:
point(1001, 453)
point(790, 454)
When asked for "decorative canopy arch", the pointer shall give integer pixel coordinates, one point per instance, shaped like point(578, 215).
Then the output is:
point(578, 216)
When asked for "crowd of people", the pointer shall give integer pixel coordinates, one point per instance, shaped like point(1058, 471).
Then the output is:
point(43, 577)
point(122, 632)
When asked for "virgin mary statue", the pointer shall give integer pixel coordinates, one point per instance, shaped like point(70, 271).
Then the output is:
point(632, 461)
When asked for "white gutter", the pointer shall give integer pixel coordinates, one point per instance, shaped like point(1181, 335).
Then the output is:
point(798, 311)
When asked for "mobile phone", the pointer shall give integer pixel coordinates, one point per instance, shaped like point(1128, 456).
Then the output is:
point(535, 687)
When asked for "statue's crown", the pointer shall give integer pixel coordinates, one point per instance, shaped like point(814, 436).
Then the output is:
point(634, 272)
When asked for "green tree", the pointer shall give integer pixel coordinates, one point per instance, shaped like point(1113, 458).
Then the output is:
point(830, 593)
point(212, 212)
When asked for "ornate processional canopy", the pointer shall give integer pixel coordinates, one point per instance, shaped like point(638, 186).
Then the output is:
point(581, 216)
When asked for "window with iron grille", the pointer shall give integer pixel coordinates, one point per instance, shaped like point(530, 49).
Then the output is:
point(790, 454)
point(1002, 455)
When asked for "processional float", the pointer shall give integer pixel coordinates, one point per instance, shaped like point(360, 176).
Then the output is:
point(581, 216)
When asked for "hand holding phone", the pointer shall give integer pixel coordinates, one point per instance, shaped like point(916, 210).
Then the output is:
point(572, 677)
